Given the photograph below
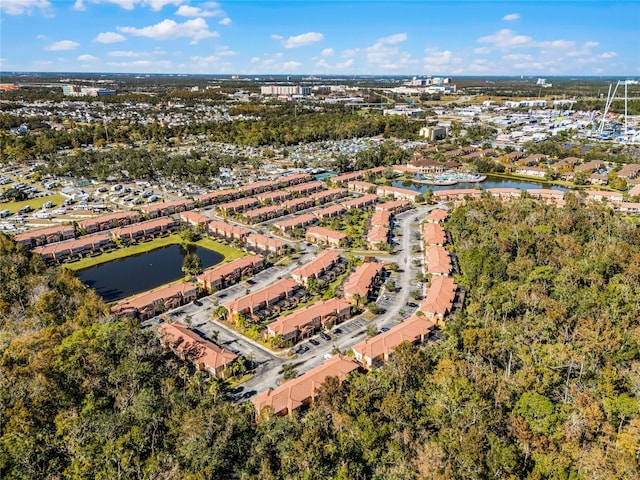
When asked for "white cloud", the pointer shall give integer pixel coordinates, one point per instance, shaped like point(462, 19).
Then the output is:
point(393, 39)
point(79, 6)
point(63, 45)
point(156, 5)
point(225, 51)
point(327, 52)
point(189, 11)
point(291, 65)
point(123, 53)
point(299, 40)
point(511, 17)
point(87, 58)
point(254, 59)
point(506, 39)
point(480, 65)
point(346, 64)
point(608, 55)
point(518, 57)
point(21, 7)
point(350, 53)
point(109, 37)
point(482, 50)
point(225, 21)
point(196, 29)
point(41, 37)
point(591, 44)
point(385, 53)
point(142, 65)
point(439, 61)
point(556, 45)
point(322, 63)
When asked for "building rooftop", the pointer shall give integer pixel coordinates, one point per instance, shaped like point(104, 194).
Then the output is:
point(194, 347)
point(299, 391)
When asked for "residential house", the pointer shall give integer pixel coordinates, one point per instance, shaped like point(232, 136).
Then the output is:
point(326, 236)
point(275, 197)
point(457, 194)
point(531, 171)
point(433, 234)
point(222, 276)
point(361, 187)
point(330, 195)
point(438, 260)
point(195, 219)
point(347, 177)
point(322, 264)
point(299, 221)
point(73, 248)
point(296, 179)
point(266, 300)
point(603, 195)
point(218, 196)
point(329, 212)
point(437, 215)
point(305, 188)
point(306, 321)
point(153, 302)
point(300, 392)
point(398, 193)
point(44, 236)
point(225, 230)
point(546, 194)
point(394, 207)
point(262, 243)
point(362, 202)
point(438, 301)
point(263, 214)
point(188, 345)
point(627, 207)
point(107, 222)
point(589, 167)
point(237, 206)
point(378, 349)
point(168, 208)
point(362, 282)
point(144, 230)
point(504, 193)
point(297, 204)
point(629, 171)
point(379, 229)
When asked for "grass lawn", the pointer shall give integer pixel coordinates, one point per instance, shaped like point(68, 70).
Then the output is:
point(35, 203)
point(228, 252)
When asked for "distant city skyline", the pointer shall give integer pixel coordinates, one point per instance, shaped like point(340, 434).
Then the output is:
point(317, 38)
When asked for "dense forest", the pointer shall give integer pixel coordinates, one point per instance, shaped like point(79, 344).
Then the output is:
point(538, 377)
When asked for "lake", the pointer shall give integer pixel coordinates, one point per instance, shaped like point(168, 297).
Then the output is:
point(128, 276)
point(490, 182)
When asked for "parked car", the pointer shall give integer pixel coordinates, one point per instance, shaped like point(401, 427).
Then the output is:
point(324, 336)
point(315, 342)
point(197, 302)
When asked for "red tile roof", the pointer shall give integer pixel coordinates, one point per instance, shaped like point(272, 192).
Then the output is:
point(361, 279)
point(437, 215)
point(383, 344)
point(212, 274)
point(321, 263)
point(266, 294)
point(433, 234)
point(194, 347)
point(440, 296)
point(438, 260)
point(287, 324)
point(295, 393)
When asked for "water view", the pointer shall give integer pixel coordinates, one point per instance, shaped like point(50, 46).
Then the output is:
point(490, 182)
point(124, 277)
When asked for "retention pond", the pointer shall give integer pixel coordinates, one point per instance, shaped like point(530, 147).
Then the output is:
point(128, 276)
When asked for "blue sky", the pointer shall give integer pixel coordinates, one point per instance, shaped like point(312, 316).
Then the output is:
point(322, 37)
